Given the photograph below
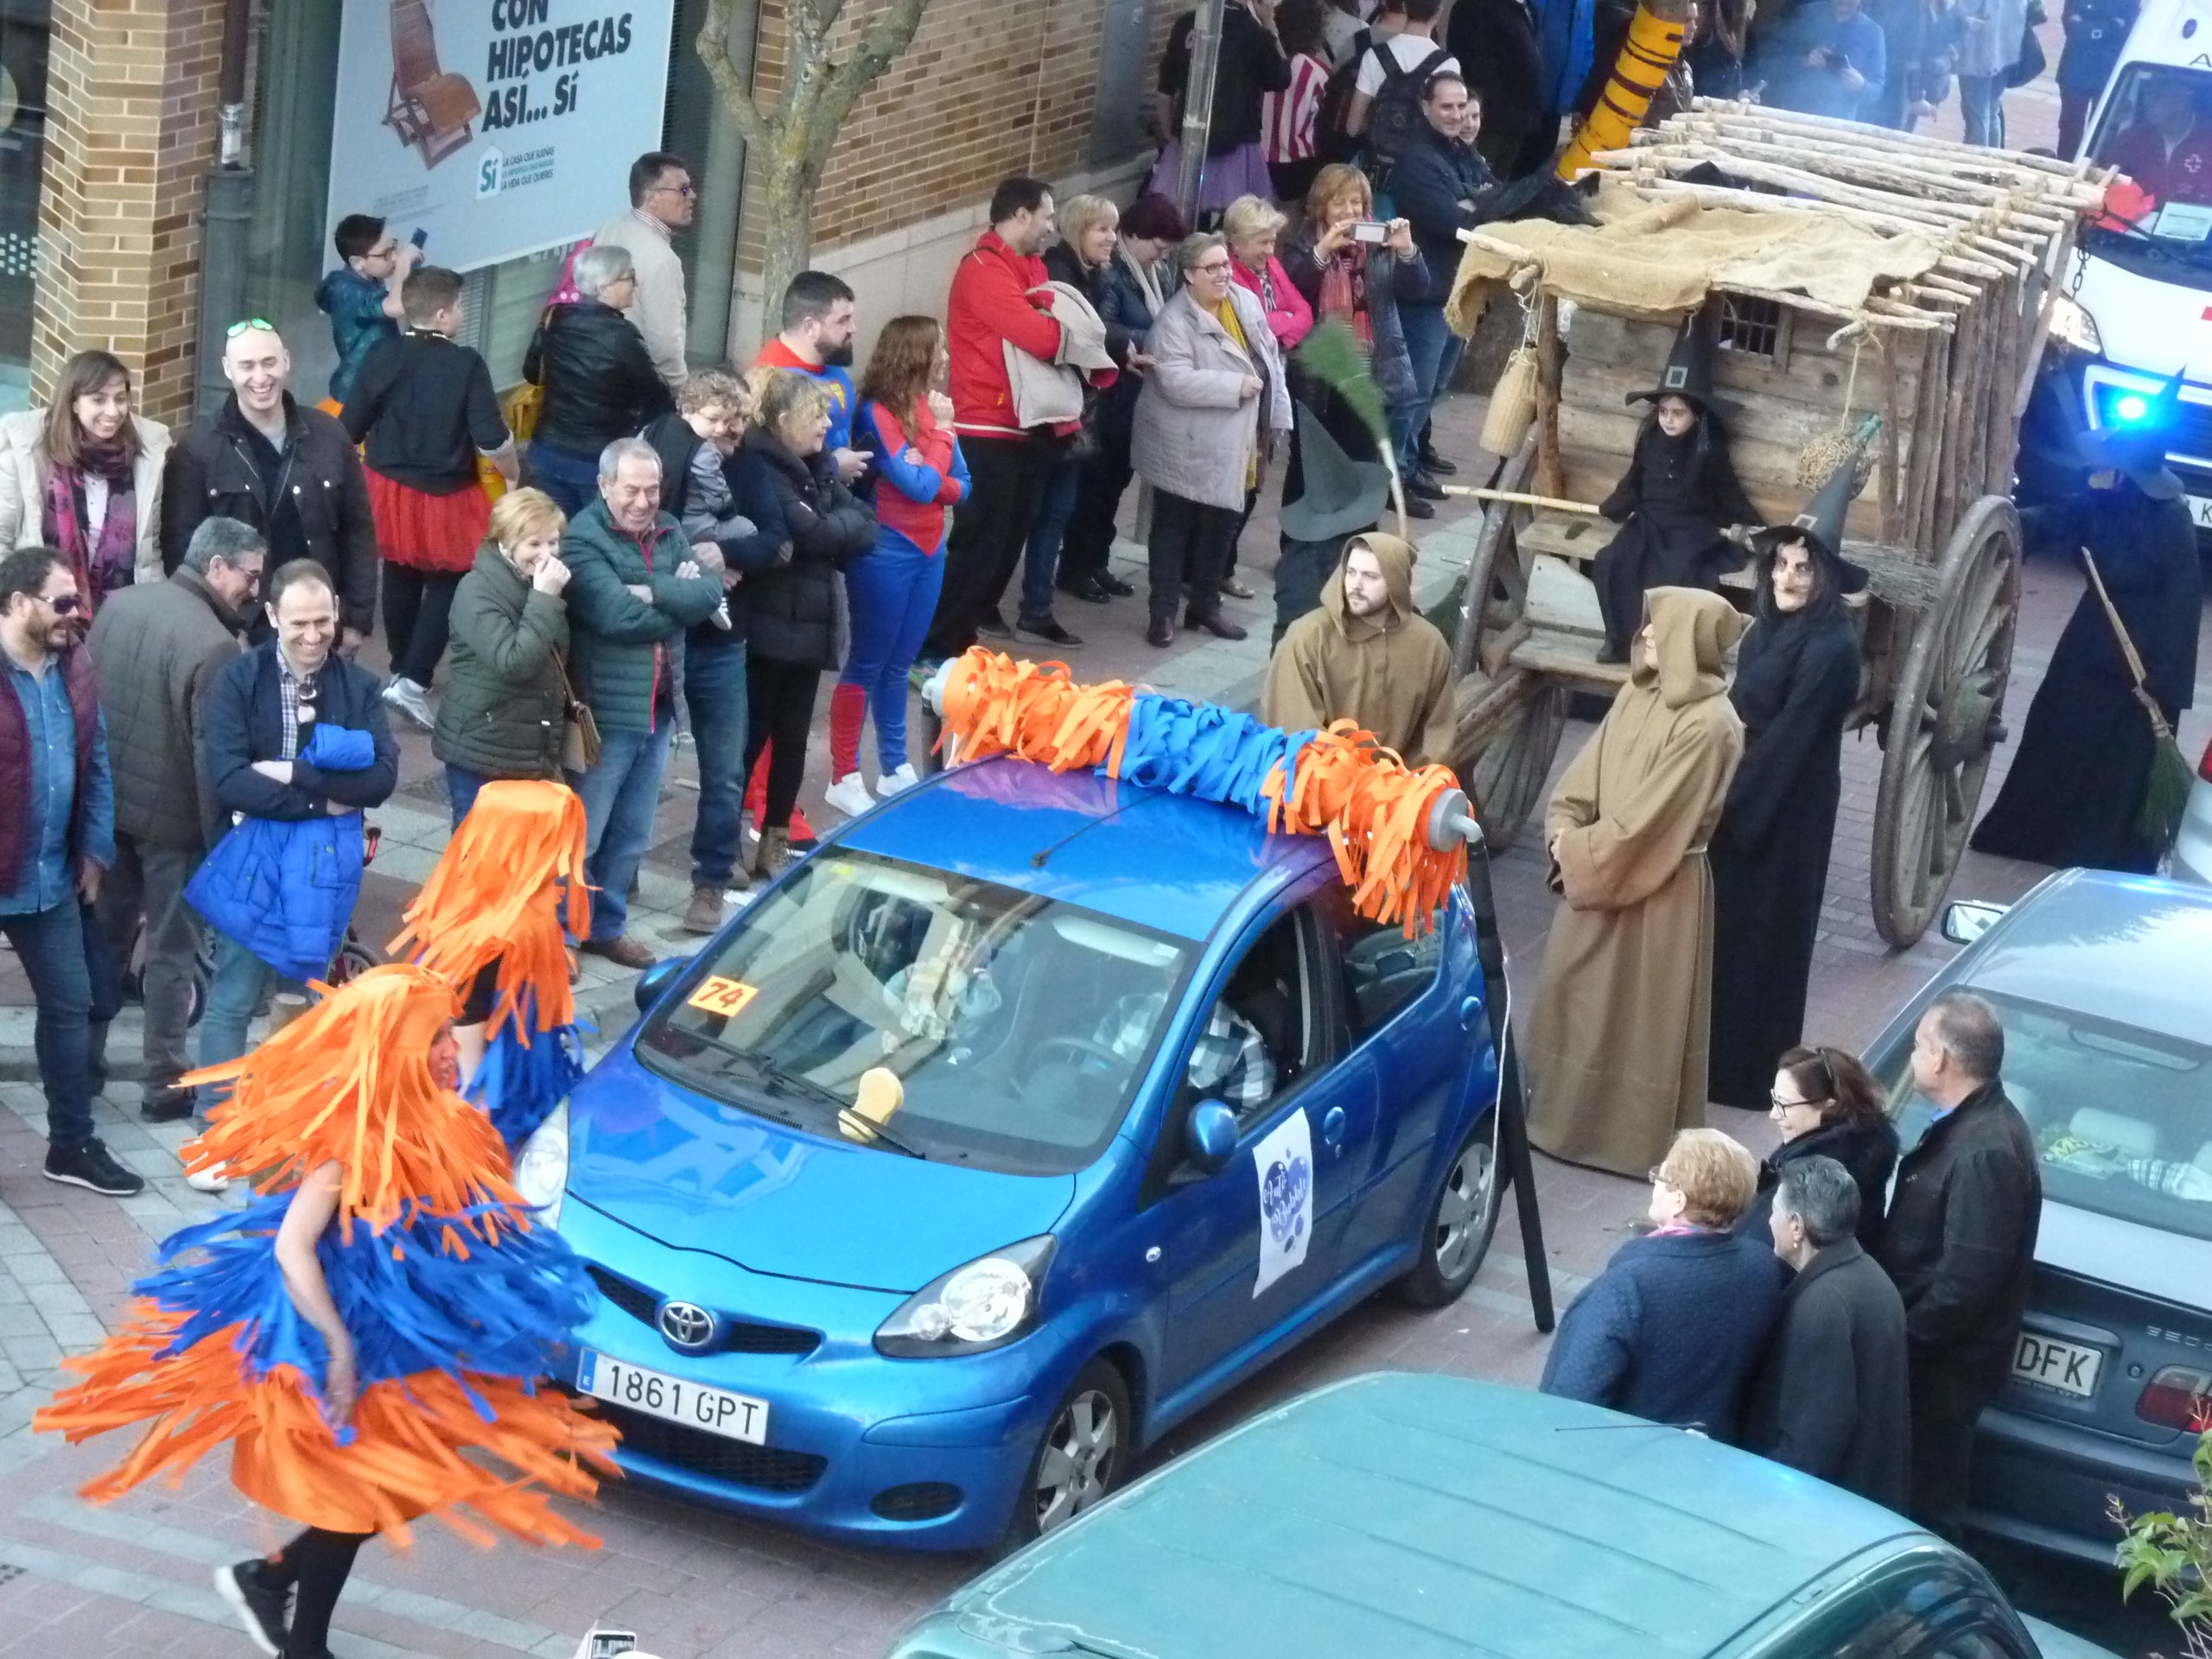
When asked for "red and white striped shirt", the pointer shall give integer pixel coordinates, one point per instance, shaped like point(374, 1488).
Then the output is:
point(1287, 118)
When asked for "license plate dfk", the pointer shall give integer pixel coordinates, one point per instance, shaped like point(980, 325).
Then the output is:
point(2200, 509)
point(718, 1411)
point(2069, 1367)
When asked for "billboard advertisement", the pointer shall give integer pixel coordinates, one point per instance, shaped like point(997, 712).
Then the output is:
point(497, 127)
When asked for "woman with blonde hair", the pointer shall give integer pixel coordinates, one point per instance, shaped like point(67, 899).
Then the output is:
point(786, 483)
point(84, 476)
point(893, 592)
point(1252, 226)
point(505, 709)
point(1672, 1328)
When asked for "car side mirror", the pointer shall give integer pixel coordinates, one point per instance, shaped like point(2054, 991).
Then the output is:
point(1210, 1137)
point(657, 979)
point(1966, 921)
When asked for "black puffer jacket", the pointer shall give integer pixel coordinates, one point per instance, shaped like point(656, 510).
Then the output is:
point(793, 613)
point(503, 713)
point(211, 473)
point(600, 385)
point(1960, 1242)
point(1867, 1151)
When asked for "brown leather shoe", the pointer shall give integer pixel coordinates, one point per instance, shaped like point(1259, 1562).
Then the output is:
point(622, 950)
point(704, 914)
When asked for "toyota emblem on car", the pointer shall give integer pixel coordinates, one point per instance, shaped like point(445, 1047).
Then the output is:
point(686, 1325)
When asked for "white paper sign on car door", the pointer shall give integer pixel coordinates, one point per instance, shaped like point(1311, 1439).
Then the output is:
point(1284, 1163)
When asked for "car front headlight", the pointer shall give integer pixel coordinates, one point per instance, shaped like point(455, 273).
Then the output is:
point(2072, 325)
point(542, 1168)
point(986, 1304)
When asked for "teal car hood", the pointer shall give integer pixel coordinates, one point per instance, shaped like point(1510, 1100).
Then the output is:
point(1382, 1517)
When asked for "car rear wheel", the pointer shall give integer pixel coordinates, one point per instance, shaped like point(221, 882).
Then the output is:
point(1086, 1447)
point(1461, 1219)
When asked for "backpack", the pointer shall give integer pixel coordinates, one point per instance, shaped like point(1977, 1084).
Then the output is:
point(1395, 116)
point(1331, 142)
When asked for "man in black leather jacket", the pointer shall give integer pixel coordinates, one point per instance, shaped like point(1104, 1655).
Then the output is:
point(290, 473)
point(1961, 1245)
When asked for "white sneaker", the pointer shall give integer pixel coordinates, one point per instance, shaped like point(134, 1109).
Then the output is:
point(213, 1179)
point(848, 795)
point(892, 782)
point(412, 701)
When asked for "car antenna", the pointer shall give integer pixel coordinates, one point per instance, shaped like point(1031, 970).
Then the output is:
point(1037, 859)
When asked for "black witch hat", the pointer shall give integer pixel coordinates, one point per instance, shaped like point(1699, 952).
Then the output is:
point(1820, 526)
point(2138, 449)
point(1688, 374)
point(1342, 496)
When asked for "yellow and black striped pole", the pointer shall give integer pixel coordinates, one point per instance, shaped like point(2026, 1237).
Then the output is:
point(1653, 46)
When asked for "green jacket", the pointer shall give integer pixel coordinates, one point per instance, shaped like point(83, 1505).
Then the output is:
point(625, 649)
point(503, 710)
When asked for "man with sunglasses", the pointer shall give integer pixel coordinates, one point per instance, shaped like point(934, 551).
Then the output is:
point(287, 469)
point(662, 202)
point(157, 647)
point(57, 840)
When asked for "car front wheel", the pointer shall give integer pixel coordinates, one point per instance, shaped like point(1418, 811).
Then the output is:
point(1086, 1448)
point(1460, 1221)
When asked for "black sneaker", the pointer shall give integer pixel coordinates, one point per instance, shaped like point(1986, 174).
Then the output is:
point(260, 1606)
point(166, 1103)
point(993, 626)
point(1436, 466)
point(1046, 629)
point(90, 1166)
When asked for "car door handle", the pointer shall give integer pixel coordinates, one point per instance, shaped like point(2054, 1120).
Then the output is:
point(1470, 1010)
point(1333, 1127)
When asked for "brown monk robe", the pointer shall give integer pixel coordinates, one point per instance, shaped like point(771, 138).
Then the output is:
point(1617, 1045)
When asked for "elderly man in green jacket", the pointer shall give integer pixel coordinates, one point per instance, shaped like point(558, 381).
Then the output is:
point(634, 586)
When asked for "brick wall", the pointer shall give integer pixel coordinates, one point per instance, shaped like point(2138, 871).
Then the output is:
point(989, 88)
point(132, 94)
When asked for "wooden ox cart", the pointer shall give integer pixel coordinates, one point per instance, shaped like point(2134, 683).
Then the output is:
point(1845, 273)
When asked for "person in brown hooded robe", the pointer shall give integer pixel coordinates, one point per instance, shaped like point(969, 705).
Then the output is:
point(1618, 1046)
point(1367, 655)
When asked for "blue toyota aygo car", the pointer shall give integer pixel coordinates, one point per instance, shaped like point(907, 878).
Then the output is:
point(1165, 1104)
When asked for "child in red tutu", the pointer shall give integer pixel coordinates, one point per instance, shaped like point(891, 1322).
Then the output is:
point(423, 404)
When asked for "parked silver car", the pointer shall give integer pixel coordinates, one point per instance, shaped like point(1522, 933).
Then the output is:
point(2193, 850)
point(2104, 983)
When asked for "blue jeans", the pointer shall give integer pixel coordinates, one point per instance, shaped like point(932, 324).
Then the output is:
point(1435, 353)
point(50, 944)
point(241, 980)
point(571, 479)
point(620, 795)
point(714, 693)
point(1041, 564)
point(462, 785)
point(1982, 106)
point(892, 593)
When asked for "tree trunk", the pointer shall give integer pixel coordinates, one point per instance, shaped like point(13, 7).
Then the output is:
point(1653, 46)
point(786, 205)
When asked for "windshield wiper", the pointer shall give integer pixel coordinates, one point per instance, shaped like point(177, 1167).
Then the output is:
point(887, 1138)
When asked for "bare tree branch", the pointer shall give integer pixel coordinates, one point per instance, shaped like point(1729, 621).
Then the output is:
point(713, 48)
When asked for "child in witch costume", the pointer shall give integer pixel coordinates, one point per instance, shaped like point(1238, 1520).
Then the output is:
point(1679, 494)
point(368, 1335)
point(489, 922)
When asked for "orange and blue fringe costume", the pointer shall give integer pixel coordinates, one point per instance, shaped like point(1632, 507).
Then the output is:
point(456, 1298)
point(1339, 783)
point(496, 902)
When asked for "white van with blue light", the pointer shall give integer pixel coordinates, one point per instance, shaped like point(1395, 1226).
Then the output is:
point(2134, 307)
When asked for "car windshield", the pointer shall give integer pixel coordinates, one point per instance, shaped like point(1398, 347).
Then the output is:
point(2122, 1117)
point(1012, 1029)
point(2157, 129)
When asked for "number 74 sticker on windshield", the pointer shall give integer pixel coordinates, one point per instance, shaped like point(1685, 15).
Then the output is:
point(1284, 1163)
point(716, 994)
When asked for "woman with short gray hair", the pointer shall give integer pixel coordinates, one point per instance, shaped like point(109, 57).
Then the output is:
point(598, 382)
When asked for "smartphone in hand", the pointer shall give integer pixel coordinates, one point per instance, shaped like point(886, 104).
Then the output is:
point(1370, 230)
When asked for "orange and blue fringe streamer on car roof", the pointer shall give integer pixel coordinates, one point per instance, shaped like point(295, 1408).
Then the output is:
point(1338, 782)
point(458, 1301)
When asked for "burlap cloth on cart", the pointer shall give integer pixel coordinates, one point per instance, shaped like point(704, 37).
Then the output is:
point(1657, 255)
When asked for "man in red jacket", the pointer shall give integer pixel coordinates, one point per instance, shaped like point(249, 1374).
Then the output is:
point(997, 300)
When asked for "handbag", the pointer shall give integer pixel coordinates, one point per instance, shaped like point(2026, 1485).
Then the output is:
point(2030, 63)
point(579, 731)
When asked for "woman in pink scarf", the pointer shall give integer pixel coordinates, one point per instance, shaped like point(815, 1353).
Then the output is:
point(84, 476)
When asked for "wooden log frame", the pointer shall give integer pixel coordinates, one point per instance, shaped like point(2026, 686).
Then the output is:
point(1936, 152)
point(1551, 358)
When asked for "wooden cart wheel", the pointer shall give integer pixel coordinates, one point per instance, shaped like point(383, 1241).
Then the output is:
point(1507, 780)
point(1944, 718)
point(1496, 565)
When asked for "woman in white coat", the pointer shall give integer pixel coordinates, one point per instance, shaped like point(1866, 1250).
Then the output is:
point(84, 477)
point(1212, 402)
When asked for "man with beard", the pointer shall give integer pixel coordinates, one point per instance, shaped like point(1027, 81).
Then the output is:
point(1367, 655)
point(817, 341)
